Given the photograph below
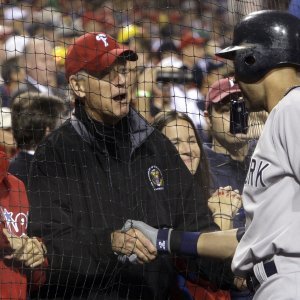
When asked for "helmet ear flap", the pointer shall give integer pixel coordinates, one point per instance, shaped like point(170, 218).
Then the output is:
point(251, 65)
point(246, 63)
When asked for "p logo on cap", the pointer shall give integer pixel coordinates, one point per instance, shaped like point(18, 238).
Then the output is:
point(102, 37)
point(94, 52)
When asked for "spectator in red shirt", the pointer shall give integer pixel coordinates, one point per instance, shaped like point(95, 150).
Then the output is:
point(21, 257)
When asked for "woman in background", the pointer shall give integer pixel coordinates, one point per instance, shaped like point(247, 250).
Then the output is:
point(209, 280)
point(181, 131)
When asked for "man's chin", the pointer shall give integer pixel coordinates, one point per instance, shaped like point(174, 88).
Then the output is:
point(249, 136)
point(121, 112)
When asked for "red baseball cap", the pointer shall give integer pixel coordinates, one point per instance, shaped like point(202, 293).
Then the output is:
point(94, 52)
point(221, 89)
point(189, 39)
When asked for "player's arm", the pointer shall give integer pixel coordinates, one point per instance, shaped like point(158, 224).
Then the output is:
point(218, 244)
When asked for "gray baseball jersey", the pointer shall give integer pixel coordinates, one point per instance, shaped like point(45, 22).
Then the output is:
point(271, 194)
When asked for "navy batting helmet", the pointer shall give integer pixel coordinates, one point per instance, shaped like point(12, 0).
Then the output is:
point(262, 41)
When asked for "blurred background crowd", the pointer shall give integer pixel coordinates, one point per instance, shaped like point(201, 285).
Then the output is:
point(176, 41)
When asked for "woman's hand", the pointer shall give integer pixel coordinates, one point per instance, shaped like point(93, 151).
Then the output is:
point(224, 204)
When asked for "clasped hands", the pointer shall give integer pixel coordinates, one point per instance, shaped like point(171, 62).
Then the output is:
point(139, 242)
point(136, 242)
point(224, 203)
point(29, 251)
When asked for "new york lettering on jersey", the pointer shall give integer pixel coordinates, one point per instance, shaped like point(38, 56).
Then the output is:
point(255, 176)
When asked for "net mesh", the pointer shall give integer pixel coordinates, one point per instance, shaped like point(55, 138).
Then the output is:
point(86, 160)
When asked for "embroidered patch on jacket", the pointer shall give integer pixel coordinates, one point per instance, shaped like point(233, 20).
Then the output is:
point(16, 223)
point(156, 178)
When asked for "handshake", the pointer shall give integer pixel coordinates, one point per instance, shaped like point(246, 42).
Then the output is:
point(218, 244)
point(158, 237)
point(165, 240)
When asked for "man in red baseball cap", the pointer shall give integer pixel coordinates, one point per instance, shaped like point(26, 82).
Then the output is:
point(220, 90)
point(230, 151)
point(104, 165)
point(94, 52)
point(96, 70)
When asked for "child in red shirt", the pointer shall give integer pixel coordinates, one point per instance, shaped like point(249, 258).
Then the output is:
point(21, 257)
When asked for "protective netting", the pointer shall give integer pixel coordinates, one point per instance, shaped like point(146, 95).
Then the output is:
point(175, 159)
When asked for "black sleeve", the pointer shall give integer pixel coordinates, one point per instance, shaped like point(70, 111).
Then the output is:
point(193, 213)
point(185, 196)
point(76, 255)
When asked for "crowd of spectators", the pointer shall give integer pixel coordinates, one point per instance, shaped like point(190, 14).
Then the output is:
point(38, 32)
point(35, 36)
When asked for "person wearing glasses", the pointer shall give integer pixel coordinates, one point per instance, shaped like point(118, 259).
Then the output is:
point(105, 165)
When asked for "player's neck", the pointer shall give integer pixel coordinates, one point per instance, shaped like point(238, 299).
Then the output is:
point(278, 84)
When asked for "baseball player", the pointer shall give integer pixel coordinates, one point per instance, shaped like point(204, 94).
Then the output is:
point(265, 52)
point(266, 56)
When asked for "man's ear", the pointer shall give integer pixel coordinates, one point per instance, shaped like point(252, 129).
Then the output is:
point(77, 85)
point(207, 118)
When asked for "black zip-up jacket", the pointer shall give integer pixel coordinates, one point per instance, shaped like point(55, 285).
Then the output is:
point(83, 186)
